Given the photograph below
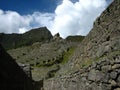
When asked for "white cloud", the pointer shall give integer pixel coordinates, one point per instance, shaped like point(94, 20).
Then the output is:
point(43, 19)
point(77, 18)
point(11, 21)
point(69, 18)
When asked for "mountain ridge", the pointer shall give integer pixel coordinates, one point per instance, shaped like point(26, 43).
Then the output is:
point(10, 41)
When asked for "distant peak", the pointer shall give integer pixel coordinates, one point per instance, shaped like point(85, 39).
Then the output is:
point(57, 36)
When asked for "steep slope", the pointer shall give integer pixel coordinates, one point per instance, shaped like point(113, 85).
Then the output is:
point(96, 62)
point(104, 37)
point(12, 77)
point(10, 41)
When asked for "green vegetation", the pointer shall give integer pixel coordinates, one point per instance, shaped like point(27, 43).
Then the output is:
point(67, 55)
point(75, 38)
point(87, 63)
point(43, 56)
point(11, 41)
point(47, 72)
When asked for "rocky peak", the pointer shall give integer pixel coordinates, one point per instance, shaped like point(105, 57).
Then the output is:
point(57, 37)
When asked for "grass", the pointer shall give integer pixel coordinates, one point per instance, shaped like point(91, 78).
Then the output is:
point(86, 63)
point(67, 55)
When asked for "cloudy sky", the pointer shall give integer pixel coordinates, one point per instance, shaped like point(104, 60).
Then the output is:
point(68, 17)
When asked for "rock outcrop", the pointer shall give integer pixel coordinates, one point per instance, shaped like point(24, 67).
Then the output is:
point(12, 77)
point(10, 41)
point(95, 63)
point(57, 37)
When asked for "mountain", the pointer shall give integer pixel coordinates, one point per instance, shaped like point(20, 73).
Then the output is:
point(77, 38)
point(95, 64)
point(44, 57)
point(10, 41)
point(75, 63)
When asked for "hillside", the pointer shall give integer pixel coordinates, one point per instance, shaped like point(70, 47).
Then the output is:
point(75, 63)
point(95, 63)
point(10, 41)
point(76, 38)
point(45, 57)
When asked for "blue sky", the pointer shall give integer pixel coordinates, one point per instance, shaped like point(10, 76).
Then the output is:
point(68, 17)
point(29, 6)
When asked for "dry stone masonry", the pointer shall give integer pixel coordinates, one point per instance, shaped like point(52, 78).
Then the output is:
point(95, 64)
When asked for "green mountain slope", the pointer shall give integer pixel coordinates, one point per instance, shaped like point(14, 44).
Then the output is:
point(45, 57)
point(10, 41)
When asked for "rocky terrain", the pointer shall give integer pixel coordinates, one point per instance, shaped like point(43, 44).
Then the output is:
point(38, 53)
point(95, 63)
point(45, 57)
point(75, 63)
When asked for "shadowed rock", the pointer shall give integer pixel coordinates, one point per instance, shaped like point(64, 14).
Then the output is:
point(12, 77)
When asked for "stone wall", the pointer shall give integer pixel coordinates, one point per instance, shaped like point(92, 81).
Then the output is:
point(103, 38)
point(95, 64)
point(101, 75)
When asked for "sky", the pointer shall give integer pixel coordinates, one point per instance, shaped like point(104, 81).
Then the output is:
point(67, 17)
